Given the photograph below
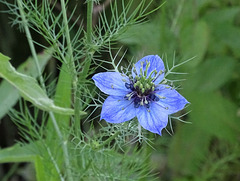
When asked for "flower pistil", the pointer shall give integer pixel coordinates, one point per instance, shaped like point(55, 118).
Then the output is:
point(142, 86)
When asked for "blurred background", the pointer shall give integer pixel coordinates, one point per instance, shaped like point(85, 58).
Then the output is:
point(209, 30)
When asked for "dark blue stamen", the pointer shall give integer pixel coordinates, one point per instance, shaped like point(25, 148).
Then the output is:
point(131, 87)
point(136, 101)
point(127, 85)
point(136, 104)
point(154, 97)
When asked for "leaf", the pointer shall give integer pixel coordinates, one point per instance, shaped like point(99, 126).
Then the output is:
point(29, 88)
point(194, 42)
point(215, 115)
point(16, 153)
point(206, 3)
point(39, 167)
point(211, 116)
point(141, 35)
point(212, 74)
point(227, 34)
point(9, 94)
point(62, 98)
point(224, 30)
point(188, 148)
point(222, 15)
point(151, 37)
point(63, 93)
point(19, 153)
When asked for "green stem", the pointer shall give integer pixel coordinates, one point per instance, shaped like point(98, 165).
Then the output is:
point(73, 68)
point(33, 51)
point(11, 172)
point(108, 140)
point(85, 69)
point(89, 39)
point(177, 15)
point(148, 149)
point(30, 42)
point(77, 124)
point(64, 147)
point(70, 59)
point(89, 21)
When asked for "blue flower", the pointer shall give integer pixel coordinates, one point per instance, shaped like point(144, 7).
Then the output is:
point(140, 95)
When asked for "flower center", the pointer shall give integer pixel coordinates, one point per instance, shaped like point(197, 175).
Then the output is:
point(142, 86)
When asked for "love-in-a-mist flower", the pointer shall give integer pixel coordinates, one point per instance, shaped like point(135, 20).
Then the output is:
point(141, 94)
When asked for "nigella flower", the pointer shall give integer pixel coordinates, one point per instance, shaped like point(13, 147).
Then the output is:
point(140, 95)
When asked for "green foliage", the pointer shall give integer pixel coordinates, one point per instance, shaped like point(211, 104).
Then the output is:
point(192, 142)
point(9, 95)
point(52, 130)
point(28, 88)
point(215, 79)
point(68, 145)
point(207, 148)
point(63, 93)
point(23, 153)
point(195, 43)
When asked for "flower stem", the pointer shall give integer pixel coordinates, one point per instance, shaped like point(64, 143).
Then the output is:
point(85, 69)
point(109, 140)
point(64, 147)
point(89, 20)
point(89, 39)
point(70, 59)
point(75, 76)
point(77, 125)
point(34, 54)
point(30, 42)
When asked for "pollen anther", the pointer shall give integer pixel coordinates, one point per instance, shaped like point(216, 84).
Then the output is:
point(161, 97)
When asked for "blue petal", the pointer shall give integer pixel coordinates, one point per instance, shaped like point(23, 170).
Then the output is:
point(111, 83)
point(153, 119)
point(172, 101)
point(156, 63)
point(116, 109)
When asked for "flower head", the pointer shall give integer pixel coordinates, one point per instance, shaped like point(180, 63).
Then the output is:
point(140, 95)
